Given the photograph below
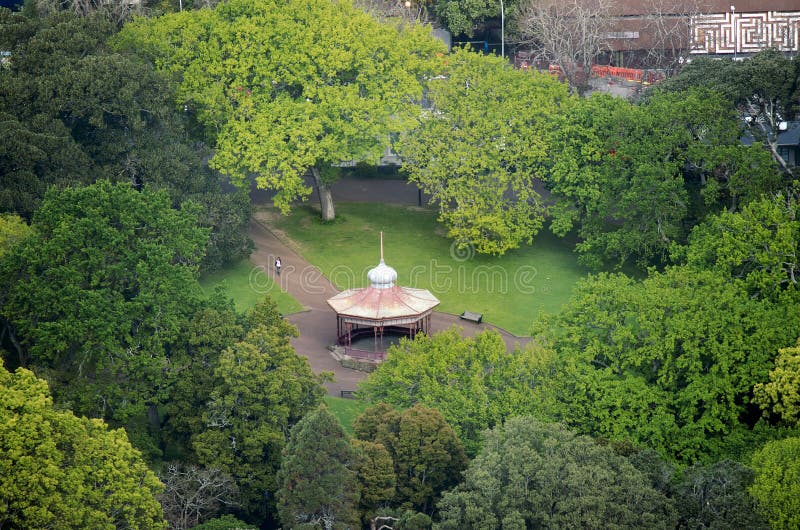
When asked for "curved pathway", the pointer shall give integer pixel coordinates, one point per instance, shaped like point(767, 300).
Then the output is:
point(317, 323)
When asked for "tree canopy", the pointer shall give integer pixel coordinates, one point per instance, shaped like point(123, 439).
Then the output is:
point(474, 382)
point(763, 89)
point(480, 148)
point(94, 295)
point(76, 112)
point(319, 487)
point(285, 88)
point(776, 487)
point(59, 470)
point(669, 362)
point(427, 455)
point(629, 179)
point(535, 475)
point(261, 388)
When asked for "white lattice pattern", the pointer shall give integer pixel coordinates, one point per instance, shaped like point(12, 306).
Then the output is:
point(745, 32)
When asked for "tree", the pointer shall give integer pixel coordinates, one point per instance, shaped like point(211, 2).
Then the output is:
point(193, 494)
point(669, 362)
point(225, 522)
point(116, 10)
point(95, 295)
point(568, 33)
point(626, 175)
point(474, 382)
point(761, 88)
point(715, 496)
point(34, 156)
point(59, 470)
point(190, 376)
point(335, 85)
point(428, 457)
point(759, 245)
point(261, 389)
point(319, 486)
point(776, 487)
point(77, 113)
point(535, 475)
point(480, 149)
point(669, 22)
point(461, 16)
point(376, 477)
point(781, 395)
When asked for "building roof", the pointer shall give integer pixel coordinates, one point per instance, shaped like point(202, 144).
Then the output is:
point(383, 302)
point(786, 137)
point(389, 306)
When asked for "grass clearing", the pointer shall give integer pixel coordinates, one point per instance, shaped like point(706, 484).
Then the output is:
point(509, 290)
point(247, 284)
point(345, 410)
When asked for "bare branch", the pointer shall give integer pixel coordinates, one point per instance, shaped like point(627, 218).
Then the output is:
point(567, 33)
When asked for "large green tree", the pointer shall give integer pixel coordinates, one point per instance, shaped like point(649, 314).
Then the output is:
point(481, 147)
point(62, 471)
point(764, 89)
point(76, 112)
point(715, 496)
point(669, 362)
point(759, 245)
point(285, 88)
point(427, 456)
point(629, 179)
point(474, 382)
point(318, 478)
point(92, 299)
point(535, 475)
point(12, 231)
point(261, 389)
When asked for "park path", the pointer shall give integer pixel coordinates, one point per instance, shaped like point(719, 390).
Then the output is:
point(317, 323)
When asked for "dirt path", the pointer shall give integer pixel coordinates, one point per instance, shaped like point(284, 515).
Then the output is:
point(317, 324)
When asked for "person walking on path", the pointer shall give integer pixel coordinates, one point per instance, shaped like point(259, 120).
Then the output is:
point(278, 265)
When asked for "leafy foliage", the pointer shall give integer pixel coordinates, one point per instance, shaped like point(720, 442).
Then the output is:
point(76, 113)
point(59, 470)
point(764, 88)
point(715, 496)
point(428, 457)
point(99, 290)
point(534, 475)
point(776, 487)
point(288, 87)
point(261, 389)
point(759, 245)
point(623, 176)
point(669, 362)
point(480, 148)
point(12, 231)
point(781, 395)
point(319, 487)
point(474, 382)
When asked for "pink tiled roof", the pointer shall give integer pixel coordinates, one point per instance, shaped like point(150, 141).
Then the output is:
point(394, 303)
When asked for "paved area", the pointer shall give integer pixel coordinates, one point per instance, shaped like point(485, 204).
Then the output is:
point(317, 324)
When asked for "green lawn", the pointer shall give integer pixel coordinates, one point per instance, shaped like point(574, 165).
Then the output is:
point(246, 284)
point(510, 290)
point(345, 410)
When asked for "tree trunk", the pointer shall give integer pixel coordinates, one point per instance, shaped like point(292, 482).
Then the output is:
point(325, 197)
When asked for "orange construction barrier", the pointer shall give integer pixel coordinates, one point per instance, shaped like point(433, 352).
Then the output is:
point(630, 74)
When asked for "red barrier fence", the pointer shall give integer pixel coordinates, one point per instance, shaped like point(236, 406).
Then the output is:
point(629, 74)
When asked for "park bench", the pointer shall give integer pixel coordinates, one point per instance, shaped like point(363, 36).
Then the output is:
point(472, 317)
point(348, 394)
